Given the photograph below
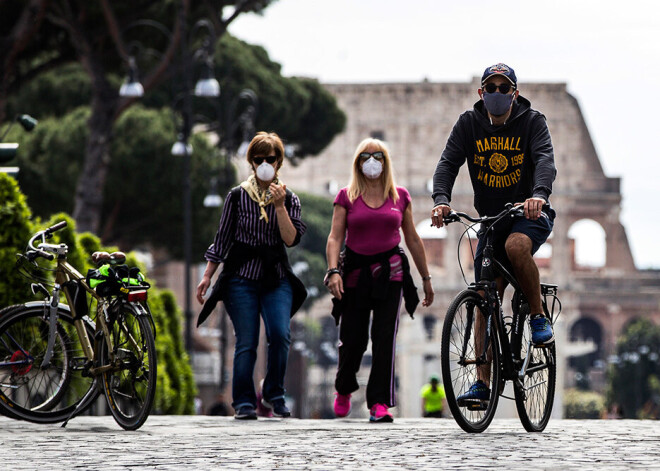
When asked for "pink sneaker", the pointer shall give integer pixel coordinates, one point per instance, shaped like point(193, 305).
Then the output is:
point(379, 413)
point(342, 404)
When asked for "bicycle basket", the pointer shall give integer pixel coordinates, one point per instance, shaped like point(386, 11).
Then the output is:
point(111, 281)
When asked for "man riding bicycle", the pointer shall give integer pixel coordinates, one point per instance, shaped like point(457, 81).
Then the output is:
point(510, 158)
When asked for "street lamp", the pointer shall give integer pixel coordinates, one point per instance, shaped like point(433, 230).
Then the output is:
point(207, 86)
point(8, 150)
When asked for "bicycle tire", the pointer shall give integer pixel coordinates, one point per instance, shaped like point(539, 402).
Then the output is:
point(28, 392)
point(130, 387)
point(458, 378)
point(536, 394)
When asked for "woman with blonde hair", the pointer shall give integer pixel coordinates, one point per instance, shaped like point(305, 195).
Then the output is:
point(260, 217)
point(374, 276)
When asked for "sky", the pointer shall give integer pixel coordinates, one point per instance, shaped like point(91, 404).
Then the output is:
point(607, 52)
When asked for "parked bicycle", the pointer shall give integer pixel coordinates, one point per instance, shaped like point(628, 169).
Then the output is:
point(55, 359)
point(502, 345)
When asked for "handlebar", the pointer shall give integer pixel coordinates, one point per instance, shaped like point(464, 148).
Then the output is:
point(509, 210)
point(56, 227)
point(44, 234)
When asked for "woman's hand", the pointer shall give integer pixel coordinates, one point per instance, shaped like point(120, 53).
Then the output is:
point(429, 294)
point(202, 287)
point(279, 194)
point(335, 285)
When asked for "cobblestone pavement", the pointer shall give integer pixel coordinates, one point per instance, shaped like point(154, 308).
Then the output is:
point(222, 443)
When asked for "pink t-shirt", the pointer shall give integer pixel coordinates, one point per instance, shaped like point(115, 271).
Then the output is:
point(374, 230)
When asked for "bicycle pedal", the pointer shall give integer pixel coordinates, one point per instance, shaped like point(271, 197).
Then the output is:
point(479, 405)
point(474, 404)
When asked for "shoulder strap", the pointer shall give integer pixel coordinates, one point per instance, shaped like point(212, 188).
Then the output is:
point(287, 200)
point(235, 197)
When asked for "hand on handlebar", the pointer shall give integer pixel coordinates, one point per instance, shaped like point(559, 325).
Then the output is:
point(438, 214)
point(532, 208)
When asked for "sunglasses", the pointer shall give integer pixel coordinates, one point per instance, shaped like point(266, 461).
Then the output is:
point(376, 155)
point(271, 159)
point(504, 87)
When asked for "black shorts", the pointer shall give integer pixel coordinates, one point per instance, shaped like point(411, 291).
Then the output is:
point(538, 231)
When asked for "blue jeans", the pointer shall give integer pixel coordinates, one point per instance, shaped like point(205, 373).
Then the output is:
point(244, 302)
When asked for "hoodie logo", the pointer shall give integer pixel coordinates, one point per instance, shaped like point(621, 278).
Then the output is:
point(498, 163)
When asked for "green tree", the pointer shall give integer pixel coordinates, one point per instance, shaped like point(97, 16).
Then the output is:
point(15, 221)
point(633, 379)
point(39, 35)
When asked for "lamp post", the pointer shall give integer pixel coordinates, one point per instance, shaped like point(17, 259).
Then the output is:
point(209, 87)
point(8, 150)
point(245, 120)
point(206, 86)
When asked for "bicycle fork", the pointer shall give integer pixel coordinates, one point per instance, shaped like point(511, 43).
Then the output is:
point(52, 325)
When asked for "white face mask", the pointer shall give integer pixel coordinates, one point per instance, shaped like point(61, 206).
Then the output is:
point(372, 168)
point(265, 172)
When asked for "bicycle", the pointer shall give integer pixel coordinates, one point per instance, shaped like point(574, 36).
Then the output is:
point(505, 348)
point(55, 359)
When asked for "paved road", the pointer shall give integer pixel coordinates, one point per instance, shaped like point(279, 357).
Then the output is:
point(222, 443)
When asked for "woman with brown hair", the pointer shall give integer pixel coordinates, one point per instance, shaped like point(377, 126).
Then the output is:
point(260, 217)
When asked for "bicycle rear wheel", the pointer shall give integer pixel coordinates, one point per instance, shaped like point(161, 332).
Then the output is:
point(535, 393)
point(130, 386)
point(459, 353)
point(28, 391)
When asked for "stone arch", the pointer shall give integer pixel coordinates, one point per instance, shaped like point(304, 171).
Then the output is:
point(584, 331)
point(588, 244)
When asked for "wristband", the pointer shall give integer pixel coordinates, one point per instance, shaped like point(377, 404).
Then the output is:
point(332, 271)
point(428, 277)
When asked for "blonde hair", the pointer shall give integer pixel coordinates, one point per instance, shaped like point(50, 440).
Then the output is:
point(266, 143)
point(358, 183)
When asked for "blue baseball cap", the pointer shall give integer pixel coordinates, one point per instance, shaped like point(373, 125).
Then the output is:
point(500, 69)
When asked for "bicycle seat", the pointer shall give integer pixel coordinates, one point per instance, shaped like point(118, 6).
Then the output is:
point(114, 258)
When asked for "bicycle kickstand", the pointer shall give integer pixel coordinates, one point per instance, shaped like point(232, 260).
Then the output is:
point(80, 407)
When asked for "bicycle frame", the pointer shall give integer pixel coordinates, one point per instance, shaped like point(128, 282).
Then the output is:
point(492, 310)
point(66, 272)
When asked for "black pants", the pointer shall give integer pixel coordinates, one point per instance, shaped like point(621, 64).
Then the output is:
point(354, 338)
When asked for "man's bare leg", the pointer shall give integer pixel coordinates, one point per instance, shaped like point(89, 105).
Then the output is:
point(519, 250)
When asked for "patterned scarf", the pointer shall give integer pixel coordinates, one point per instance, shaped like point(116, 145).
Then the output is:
point(262, 197)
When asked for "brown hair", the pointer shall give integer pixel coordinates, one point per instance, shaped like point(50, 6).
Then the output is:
point(266, 143)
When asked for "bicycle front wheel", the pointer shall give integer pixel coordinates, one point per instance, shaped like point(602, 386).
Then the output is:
point(29, 391)
point(535, 392)
point(130, 383)
point(461, 357)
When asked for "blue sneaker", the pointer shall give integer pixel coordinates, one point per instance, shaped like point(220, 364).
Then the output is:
point(542, 333)
point(477, 396)
point(246, 413)
point(278, 406)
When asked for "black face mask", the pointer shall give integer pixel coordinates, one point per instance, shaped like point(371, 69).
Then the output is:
point(497, 103)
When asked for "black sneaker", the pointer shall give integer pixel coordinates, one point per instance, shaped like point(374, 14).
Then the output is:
point(246, 413)
point(476, 398)
point(279, 407)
